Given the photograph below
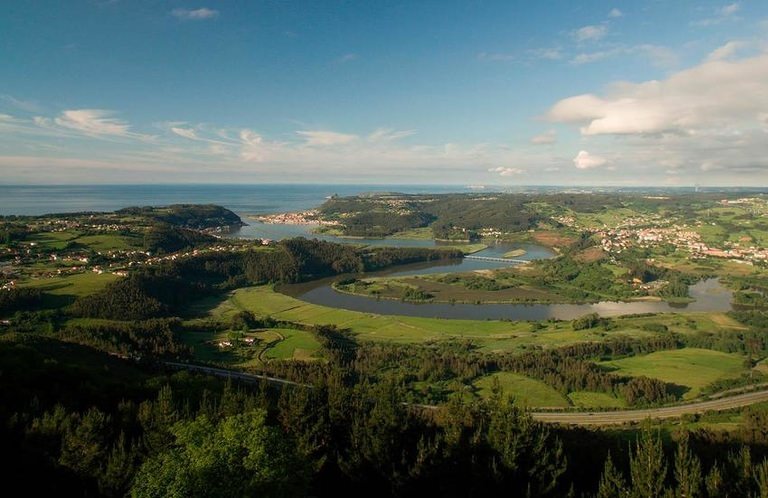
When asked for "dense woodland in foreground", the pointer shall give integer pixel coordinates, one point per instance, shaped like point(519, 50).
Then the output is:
point(93, 424)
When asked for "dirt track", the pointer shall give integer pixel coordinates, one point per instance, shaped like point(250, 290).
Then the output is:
point(624, 416)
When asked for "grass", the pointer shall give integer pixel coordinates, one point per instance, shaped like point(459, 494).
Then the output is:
point(455, 292)
point(589, 399)
point(424, 233)
point(270, 344)
point(101, 242)
point(78, 284)
point(296, 344)
point(526, 391)
point(110, 242)
point(54, 240)
point(689, 367)
point(489, 335)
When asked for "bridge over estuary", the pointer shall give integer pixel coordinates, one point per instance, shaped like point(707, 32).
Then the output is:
point(499, 260)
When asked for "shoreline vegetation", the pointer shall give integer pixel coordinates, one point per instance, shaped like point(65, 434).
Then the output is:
point(408, 290)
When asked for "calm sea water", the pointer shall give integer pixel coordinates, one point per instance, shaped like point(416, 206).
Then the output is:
point(242, 199)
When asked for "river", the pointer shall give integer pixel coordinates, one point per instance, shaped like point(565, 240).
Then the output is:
point(709, 295)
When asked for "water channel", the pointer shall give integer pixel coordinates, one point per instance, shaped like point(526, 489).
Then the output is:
point(709, 295)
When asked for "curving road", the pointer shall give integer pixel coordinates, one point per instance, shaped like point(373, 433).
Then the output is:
point(566, 418)
point(233, 374)
point(625, 416)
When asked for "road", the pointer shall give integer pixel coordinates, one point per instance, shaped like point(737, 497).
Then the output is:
point(624, 416)
point(566, 418)
point(231, 374)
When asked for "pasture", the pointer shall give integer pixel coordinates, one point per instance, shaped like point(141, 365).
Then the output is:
point(489, 335)
point(689, 367)
point(78, 284)
point(525, 391)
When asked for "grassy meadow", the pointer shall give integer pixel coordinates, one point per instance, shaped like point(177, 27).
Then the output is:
point(691, 368)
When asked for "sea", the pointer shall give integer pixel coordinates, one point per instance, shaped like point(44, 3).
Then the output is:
point(242, 199)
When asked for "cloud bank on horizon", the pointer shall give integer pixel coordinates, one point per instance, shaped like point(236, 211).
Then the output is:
point(622, 96)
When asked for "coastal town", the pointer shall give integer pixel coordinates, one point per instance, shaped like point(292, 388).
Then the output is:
point(655, 230)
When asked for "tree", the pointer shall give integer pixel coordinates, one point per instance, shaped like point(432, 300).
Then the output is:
point(84, 447)
point(612, 483)
point(239, 456)
point(687, 470)
point(647, 467)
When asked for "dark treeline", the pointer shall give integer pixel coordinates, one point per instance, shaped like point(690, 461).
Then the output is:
point(567, 374)
point(567, 369)
point(458, 364)
point(163, 238)
point(11, 233)
point(156, 337)
point(195, 436)
point(19, 299)
point(195, 216)
point(163, 290)
point(80, 423)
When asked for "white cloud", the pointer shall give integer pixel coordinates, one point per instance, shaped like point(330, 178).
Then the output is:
point(93, 122)
point(195, 15)
point(590, 33)
point(658, 55)
point(24, 105)
point(551, 54)
point(506, 171)
point(585, 160)
point(614, 13)
point(184, 132)
point(388, 135)
point(587, 58)
point(486, 56)
point(325, 138)
point(725, 51)
point(548, 137)
point(253, 146)
point(250, 137)
point(720, 15)
point(730, 9)
point(713, 94)
point(533, 54)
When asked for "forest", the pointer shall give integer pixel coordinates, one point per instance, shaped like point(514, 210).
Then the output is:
point(101, 425)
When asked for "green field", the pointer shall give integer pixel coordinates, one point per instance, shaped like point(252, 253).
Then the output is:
point(79, 284)
point(490, 335)
point(101, 242)
point(526, 391)
point(111, 242)
point(689, 367)
point(295, 344)
point(269, 344)
point(54, 240)
point(423, 233)
point(589, 399)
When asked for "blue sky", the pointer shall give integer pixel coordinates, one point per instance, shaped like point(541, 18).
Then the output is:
point(464, 92)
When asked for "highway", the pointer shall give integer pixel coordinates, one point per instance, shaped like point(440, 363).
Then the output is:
point(231, 374)
point(624, 416)
point(565, 418)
